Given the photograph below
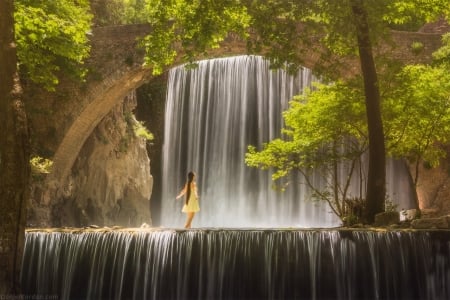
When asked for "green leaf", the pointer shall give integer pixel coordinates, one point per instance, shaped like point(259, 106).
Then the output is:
point(52, 36)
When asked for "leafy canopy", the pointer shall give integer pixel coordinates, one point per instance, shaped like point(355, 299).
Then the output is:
point(280, 30)
point(417, 114)
point(195, 26)
point(115, 12)
point(416, 109)
point(52, 37)
point(442, 55)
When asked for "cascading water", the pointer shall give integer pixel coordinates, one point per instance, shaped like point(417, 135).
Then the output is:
point(213, 112)
point(237, 264)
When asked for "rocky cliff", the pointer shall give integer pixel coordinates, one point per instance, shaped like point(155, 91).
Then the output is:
point(110, 183)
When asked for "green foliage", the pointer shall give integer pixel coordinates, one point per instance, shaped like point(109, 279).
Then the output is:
point(124, 144)
point(417, 47)
point(325, 130)
point(195, 26)
point(315, 128)
point(353, 211)
point(141, 131)
point(350, 220)
point(117, 12)
point(417, 114)
point(52, 37)
point(133, 11)
point(410, 12)
point(134, 129)
point(273, 27)
point(40, 166)
point(442, 55)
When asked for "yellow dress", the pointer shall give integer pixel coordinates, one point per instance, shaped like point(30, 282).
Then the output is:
point(193, 204)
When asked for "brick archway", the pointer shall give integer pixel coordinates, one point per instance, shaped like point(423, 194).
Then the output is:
point(104, 97)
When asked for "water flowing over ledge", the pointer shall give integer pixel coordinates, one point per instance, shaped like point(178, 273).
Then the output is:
point(214, 263)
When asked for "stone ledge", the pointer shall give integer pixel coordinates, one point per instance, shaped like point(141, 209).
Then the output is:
point(431, 223)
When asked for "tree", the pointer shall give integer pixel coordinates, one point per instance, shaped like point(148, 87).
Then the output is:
point(114, 12)
point(14, 167)
point(46, 45)
point(283, 30)
point(322, 145)
point(376, 180)
point(416, 111)
point(52, 39)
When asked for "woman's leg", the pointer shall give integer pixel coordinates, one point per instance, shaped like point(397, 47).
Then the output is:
point(190, 216)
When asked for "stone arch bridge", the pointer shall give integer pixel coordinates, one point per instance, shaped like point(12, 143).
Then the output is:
point(116, 69)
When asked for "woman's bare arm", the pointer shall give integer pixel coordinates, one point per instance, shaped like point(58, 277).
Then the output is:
point(183, 191)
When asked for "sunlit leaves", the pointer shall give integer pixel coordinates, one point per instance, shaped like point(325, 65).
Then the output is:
point(193, 26)
point(272, 28)
point(133, 11)
point(442, 55)
point(417, 114)
point(401, 11)
point(317, 123)
point(40, 165)
point(52, 37)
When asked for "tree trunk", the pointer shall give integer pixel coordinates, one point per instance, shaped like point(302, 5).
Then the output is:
point(14, 157)
point(414, 181)
point(376, 180)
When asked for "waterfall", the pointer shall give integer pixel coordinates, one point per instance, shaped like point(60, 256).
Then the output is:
point(213, 112)
point(237, 264)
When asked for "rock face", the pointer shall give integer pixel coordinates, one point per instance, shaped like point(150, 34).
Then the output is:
point(433, 188)
point(110, 183)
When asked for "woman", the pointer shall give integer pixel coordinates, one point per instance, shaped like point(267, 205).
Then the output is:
point(191, 205)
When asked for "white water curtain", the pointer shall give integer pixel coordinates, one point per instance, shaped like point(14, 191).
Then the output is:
point(213, 113)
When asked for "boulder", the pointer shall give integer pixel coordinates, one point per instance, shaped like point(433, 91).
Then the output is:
point(408, 214)
point(387, 218)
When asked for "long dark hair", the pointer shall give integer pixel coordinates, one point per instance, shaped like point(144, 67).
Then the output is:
point(190, 178)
